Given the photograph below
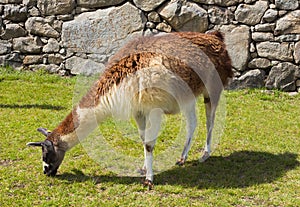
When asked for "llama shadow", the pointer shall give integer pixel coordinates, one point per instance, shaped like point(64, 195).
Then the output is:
point(238, 170)
point(29, 106)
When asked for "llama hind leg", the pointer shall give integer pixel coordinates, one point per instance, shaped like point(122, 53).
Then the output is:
point(191, 122)
point(210, 111)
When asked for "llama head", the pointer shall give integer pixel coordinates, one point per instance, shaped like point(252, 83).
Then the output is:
point(51, 156)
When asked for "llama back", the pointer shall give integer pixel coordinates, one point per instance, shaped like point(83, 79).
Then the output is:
point(189, 55)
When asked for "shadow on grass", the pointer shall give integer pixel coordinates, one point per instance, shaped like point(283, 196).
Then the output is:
point(29, 106)
point(240, 169)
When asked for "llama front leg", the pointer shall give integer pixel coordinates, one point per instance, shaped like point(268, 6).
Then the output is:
point(152, 128)
point(191, 122)
point(210, 111)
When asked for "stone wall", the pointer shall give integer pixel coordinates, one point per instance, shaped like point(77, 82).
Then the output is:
point(79, 36)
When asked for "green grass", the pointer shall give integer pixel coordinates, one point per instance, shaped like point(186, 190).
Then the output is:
point(255, 164)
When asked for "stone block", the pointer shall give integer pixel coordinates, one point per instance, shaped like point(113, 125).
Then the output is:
point(41, 27)
point(27, 45)
point(5, 47)
point(148, 5)
point(185, 16)
point(32, 59)
point(237, 39)
point(251, 79)
point(297, 52)
point(87, 67)
point(219, 15)
point(103, 31)
point(15, 13)
point(262, 36)
point(53, 7)
point(13, 31)
point(275, 51)
point(219, 2)
point(288, 24)
point(259, 63)
point(287, 4)
point(282, 76)
point(251, 14)
point(52, 46)
point(98, 3)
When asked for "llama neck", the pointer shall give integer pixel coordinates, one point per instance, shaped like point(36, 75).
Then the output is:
point(76, 126)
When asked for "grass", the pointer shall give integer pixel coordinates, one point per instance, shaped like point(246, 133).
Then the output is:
point(255, 164)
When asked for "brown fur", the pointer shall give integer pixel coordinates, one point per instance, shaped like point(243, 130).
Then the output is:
point(175, 49)
point(68, 125)
point(137, 55)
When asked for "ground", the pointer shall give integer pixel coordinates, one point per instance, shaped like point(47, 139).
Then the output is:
point(255, 164)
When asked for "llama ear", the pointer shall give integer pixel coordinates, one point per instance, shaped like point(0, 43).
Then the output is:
point(34, 144)
point(44, 131)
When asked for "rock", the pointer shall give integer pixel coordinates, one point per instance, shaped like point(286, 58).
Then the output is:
point(41, 27)
point(270, 15)
point(29, 3)
point(5, 47)
point(288, 38)
point(52, 46)
point(288, 24)
point(259, 63)
point(237, 39)
point(56, 59)
point(98, 3)
point(282, 13)
point(297, 52)
point(51, 68)
point(13, 31)
point(267, 27)
point(57, 25)
point(185, 16)
point(275, 51)
point(272, 6)
point(282, 76)
point(32, 59)
point(219, 2)
point(103, 31)
point(252, 47)
point(164, 27)
point(11, 1)
point(251, 79)
point(27, 45)
point(150, 25)
point(13, 59)
point(15, 13)
point(262, 36)
point(251, 14)
point(287, 4)
point(148, 5)
point(219, 15)
point(53, 7)
point(34, 12)
point(87, 67)
point(65, 17)
point(298, 83)
point(154, 17)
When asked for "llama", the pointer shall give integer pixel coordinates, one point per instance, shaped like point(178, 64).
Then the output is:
point(147, 78)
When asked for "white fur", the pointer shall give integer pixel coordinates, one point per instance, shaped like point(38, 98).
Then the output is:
point(151, 92)
point(45, 165)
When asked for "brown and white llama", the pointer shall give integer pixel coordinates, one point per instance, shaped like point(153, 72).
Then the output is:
point(149, 77)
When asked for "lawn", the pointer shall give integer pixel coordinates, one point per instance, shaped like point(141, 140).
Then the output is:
point(257, 162)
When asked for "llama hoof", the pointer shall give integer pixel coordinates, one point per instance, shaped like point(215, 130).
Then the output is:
point(204, 157)
point(142, 171)
point(180, 162)
point(149, 184)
